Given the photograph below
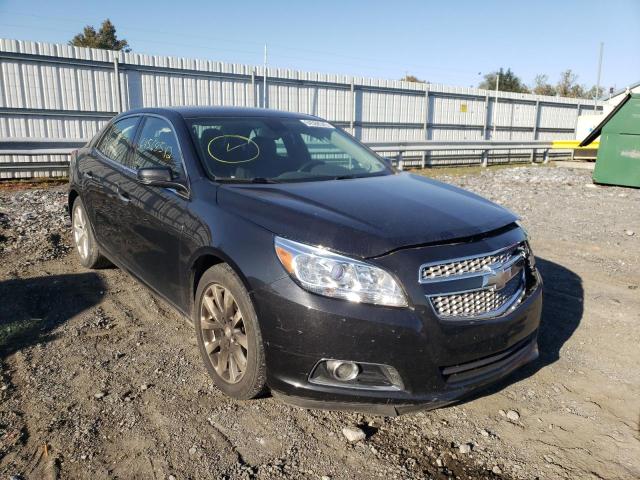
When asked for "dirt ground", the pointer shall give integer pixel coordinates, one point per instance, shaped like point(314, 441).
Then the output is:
point(99, 379)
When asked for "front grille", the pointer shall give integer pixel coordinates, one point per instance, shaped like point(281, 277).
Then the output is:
point(477, 303)
point(468, 265)
point(481, 286)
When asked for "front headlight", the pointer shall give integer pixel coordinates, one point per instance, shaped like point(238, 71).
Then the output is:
point(321, 271)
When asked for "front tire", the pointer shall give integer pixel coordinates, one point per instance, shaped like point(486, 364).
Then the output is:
point(83, 238)
point(228, 334)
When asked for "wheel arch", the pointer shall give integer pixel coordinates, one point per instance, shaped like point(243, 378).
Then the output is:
point(206, 259)
point(71, 198)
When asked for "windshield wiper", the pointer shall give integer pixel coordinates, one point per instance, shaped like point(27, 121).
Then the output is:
point(245, 180)
point(263, 180)
point(359, 175)
point(344, 177)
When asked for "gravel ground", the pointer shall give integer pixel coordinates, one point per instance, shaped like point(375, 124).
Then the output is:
point(100, 379)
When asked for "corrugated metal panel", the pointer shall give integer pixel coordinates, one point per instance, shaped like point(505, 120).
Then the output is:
point(454, 111)
point(49, 126)
point(53, 88)
point(557, 116)
point(390, 134)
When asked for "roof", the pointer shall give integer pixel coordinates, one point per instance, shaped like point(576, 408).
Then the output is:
point(595, 133)
point(195, 112)
point(621, 91)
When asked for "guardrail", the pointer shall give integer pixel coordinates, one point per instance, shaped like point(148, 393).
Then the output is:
point(27, 157)
point(481, 147)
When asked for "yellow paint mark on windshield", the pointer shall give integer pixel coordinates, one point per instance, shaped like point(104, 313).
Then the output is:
point(250, 149)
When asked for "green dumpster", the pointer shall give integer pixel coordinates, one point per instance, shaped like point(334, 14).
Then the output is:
point(618, 161)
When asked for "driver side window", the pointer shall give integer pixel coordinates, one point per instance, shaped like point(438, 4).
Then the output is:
point(158, 147)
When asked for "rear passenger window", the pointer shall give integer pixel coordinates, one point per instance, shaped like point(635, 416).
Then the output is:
point(118, 139)
point(157, 146)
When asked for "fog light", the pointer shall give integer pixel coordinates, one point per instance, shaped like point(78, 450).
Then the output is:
point(343, 371)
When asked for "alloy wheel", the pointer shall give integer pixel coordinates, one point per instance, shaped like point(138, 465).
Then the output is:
point(80, 232)
point(224, 334)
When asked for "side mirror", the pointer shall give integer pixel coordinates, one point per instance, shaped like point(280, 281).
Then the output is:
point(159, 177)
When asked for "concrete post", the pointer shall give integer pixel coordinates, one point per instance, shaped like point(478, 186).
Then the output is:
point(254, 94)
point(486, 117)
point(536, 122)
point(352, 121)
point(116, 72)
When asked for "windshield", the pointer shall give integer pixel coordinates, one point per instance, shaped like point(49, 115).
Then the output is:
point(281, 150)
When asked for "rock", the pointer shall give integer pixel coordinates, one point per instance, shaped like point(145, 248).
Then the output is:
point(354, 434)
point(502, 412)
point(192, 450)
point(144, 387)
point(513, 415)
point(465, 448)
point(630, 233)
point(548, 458)
point(439, 462)
point(99, 395)
point(171, 477)
point(325, 477)
point(484, 433)
point(497, 470)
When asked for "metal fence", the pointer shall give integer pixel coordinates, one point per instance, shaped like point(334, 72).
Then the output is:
point(52, 91)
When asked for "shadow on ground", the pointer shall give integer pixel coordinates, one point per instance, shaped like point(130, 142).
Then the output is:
point(562, 309)
point(30, 308)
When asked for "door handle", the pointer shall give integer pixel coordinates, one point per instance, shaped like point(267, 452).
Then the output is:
point(89, 175)
point(122, 195)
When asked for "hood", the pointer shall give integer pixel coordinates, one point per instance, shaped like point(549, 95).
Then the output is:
point(365, 217)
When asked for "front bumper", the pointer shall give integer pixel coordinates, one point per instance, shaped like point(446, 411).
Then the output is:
point(439, 361)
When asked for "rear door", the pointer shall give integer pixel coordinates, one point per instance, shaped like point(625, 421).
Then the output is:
point(155, 216)
point(104, 170)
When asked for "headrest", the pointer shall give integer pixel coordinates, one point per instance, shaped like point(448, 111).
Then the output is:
point(266, 145)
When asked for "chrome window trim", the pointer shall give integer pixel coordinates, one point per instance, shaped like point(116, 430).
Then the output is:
point(462, 259)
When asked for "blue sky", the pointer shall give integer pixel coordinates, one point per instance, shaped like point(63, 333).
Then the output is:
point(452, 42)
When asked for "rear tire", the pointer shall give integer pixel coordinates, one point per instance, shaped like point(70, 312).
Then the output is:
point(84, 239)
point(228, 334)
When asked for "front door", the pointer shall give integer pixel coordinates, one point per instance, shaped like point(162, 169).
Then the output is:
point(155, 219)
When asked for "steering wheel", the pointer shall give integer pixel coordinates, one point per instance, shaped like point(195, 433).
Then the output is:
point(309, 165)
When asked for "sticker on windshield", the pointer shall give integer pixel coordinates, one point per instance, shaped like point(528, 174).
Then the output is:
point(317, 124)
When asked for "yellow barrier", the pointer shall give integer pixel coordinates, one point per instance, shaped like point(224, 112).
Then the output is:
point(573, 145)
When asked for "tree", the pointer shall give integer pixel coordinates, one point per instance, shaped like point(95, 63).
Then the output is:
point(568, 85)
point(593, 92)
point(105, 38)
point(509, 82)
point(412, 78)
point(542, 86)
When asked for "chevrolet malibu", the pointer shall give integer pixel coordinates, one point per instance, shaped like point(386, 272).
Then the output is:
point(307, 264)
